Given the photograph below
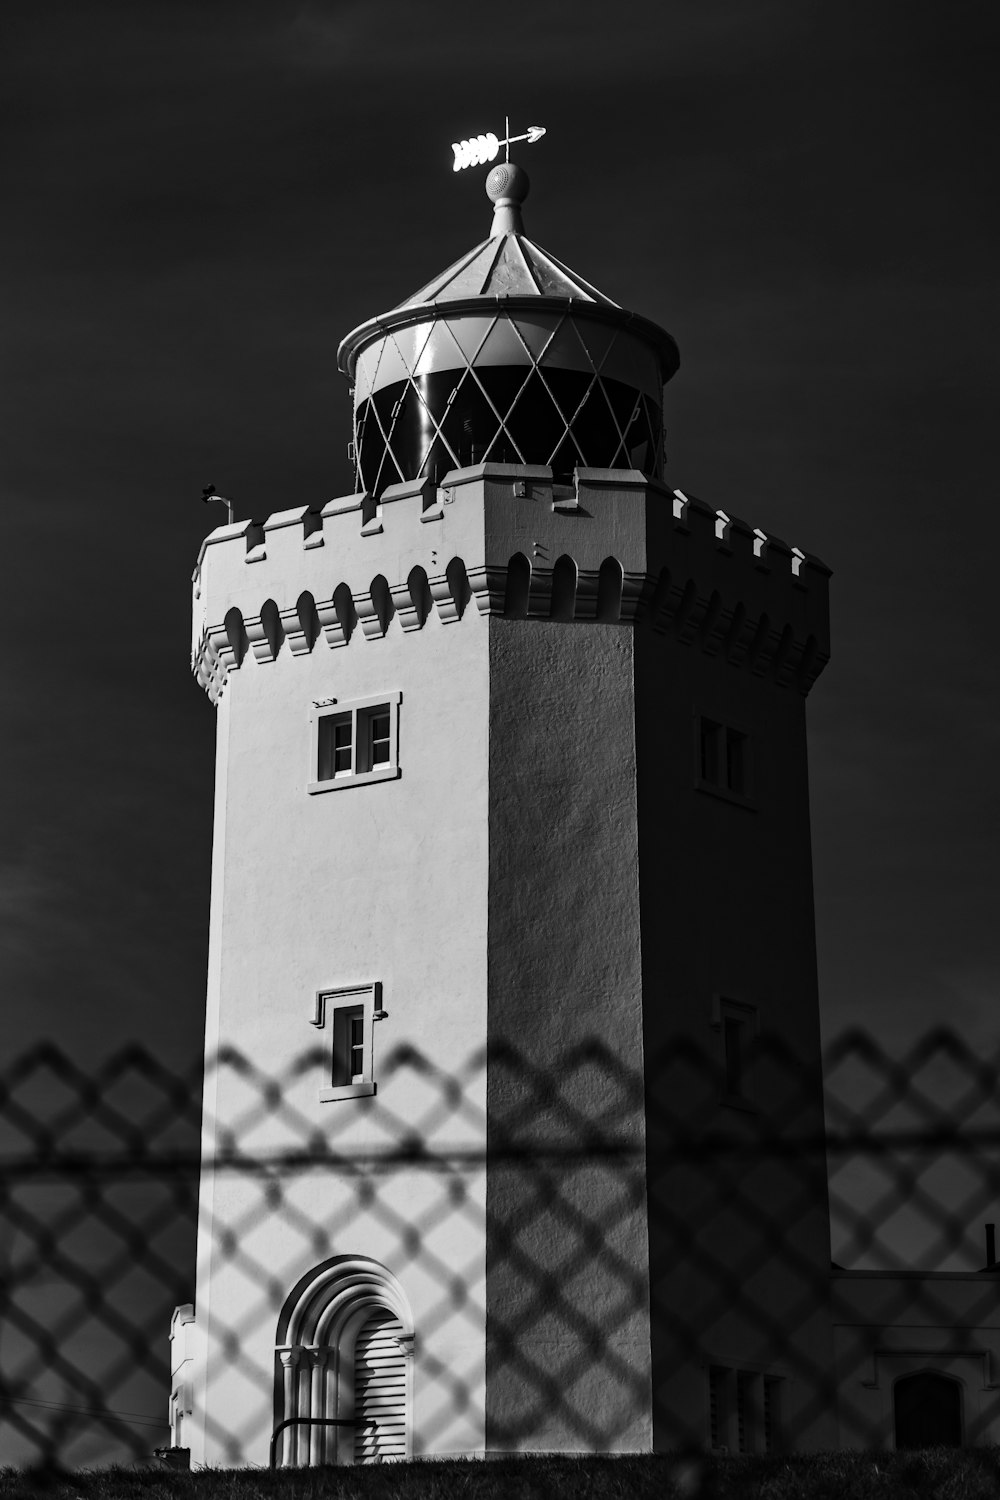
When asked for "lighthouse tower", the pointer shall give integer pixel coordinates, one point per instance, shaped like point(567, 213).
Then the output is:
point(511, 912)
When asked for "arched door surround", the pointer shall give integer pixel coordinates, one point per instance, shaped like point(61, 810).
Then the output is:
point(316, 1345)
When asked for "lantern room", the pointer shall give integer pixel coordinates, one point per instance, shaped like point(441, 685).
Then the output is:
point(508, 357)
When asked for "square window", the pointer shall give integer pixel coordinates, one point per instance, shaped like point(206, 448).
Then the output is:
point(353, 743)
point(722, 760)
point(351, 1015)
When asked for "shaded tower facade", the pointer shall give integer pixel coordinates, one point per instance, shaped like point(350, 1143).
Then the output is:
point(512, 964)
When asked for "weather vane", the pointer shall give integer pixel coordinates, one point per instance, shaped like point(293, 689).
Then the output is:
point(483, 148)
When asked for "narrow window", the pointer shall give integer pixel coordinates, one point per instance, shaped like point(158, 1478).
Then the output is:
point(348, 1071)
point(723, 761)
point(771, 1414)
point(348, 1045)
point(732, 1036)
point(380, 737)
point(717, 1405)
point(736, 762)
point(709, 744)
point(744, 1412)
point(737, 1024)
point(334, 747)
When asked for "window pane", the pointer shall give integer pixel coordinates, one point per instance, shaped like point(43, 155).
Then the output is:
point(357, 1048)
point(709, 768)
point(771, 1440)
point(736, 761)
point(343, 749)
point(733, 1042)
point(334, 736)
point(348, 1044)
point(380, 739)
point(716, 1405)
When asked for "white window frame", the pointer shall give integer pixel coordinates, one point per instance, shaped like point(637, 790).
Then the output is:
point(361, 711)
point(727, 1008)
point(717, 787)
point(344, 998)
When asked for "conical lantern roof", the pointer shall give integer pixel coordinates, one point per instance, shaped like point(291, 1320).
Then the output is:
point(507, 265)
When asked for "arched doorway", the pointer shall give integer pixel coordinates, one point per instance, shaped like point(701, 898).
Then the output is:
point(344, 1350)
point(928, 1411)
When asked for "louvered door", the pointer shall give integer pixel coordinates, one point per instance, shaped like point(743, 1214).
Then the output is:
point(380, 1389)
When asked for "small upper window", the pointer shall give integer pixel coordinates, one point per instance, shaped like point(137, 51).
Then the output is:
point(722, 761)
point(350, 1014)
point(354, 742)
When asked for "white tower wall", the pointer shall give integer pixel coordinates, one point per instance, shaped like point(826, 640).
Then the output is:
point(363, 884)
point(535, 885)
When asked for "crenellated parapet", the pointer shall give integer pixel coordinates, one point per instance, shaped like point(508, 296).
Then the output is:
point(503, 539)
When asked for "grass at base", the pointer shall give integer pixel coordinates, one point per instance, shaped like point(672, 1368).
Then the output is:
point(934, 1473)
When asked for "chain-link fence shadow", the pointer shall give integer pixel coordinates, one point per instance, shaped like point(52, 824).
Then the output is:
point(505, 1257)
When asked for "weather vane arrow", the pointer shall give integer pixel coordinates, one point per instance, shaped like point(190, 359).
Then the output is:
point(483, 148)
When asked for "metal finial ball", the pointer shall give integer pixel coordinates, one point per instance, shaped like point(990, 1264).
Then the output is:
point(507, 181)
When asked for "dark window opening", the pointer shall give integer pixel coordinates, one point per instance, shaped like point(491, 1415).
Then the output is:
point(348, 1045)
point(723, 757)
point(716, 1405)
point(771, 1416)
point(709, 750)
point(736, 1023)
point(744, 1412)
point(928, 1411)
point(733, 1044)
point(736, 761)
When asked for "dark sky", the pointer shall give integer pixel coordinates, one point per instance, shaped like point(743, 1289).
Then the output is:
point(200, 200)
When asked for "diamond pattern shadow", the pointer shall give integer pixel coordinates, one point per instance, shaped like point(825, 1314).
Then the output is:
point(100, 1185)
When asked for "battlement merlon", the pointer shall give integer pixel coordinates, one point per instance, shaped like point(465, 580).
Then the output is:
point(704, 573)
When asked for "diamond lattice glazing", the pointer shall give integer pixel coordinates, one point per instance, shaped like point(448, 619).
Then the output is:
point(443, 396)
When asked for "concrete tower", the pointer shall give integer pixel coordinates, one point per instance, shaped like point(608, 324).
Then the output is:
point(511, 912)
